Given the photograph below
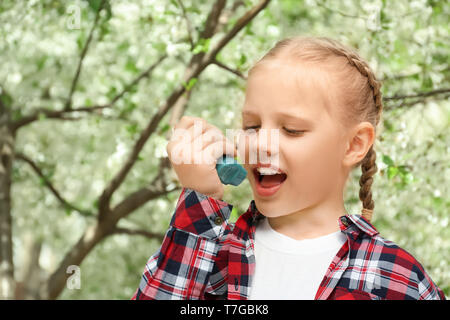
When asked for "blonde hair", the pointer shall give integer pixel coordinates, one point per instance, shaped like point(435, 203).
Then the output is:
point(358, 91)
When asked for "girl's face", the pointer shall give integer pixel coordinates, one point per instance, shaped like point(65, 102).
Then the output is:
point(281, 96)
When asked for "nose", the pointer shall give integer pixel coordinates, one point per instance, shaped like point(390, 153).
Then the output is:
point(262, 146)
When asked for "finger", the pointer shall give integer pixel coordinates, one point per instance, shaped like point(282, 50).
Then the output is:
point(187, 129)
point(197, 128)
point(210, 136)
point(217, 149)
point(185, 122)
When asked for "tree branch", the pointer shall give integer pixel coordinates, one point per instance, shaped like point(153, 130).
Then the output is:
point(7, 278)
point(420, 97)
point(197, 64)
point(91, 237)
point(54, 114)
point(417, 95)
point(213, 19)
point(239, 25)
point(49, 185)
point(193, 70)
point(188, 24)
point(140, 232)
point(137, 199)
point(61, 114)
point(108, 218)
point(228, 13)
point(131, 160)
point(135, 81)
point(234, 71)
point(68, 105)
point(340, 12)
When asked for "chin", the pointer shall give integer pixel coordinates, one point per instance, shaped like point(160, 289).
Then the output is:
point(270, 208)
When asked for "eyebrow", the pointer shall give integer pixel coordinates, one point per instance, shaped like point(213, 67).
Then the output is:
point(282, 114)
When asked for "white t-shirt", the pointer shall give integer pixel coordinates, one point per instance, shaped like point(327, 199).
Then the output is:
point(290, 269)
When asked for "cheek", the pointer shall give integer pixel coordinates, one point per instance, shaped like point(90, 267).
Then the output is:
point(314, 159)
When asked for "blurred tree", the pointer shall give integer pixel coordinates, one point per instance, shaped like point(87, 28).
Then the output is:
point(106, 215)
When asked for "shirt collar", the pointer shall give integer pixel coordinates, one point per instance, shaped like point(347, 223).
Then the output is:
point(357, 223)
point(350, 224)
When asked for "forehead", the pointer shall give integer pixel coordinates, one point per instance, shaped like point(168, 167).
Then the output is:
point(294, 88)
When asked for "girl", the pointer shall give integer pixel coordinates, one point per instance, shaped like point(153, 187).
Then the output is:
point(296, 240)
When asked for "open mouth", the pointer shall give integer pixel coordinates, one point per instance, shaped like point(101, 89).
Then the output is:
point(268, 182)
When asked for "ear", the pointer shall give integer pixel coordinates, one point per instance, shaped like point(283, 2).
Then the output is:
point(359, 141)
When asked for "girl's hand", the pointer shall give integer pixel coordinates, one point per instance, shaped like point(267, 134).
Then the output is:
point(193, 150)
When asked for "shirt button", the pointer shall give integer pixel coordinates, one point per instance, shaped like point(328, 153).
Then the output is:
point(344, 221)
point(218, 221)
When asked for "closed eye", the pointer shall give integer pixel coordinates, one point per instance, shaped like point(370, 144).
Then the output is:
point(248, 128)
point(289, 131)
point(294, 132)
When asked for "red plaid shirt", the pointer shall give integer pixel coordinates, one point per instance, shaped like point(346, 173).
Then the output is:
point(203, 256)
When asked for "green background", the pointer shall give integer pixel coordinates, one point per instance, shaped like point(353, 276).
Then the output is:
point(405, 42)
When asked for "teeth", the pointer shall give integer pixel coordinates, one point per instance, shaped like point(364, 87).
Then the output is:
point(266, 171)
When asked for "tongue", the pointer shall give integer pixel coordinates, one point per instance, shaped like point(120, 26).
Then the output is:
point(271, 180)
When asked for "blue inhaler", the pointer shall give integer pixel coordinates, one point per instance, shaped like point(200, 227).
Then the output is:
point(230, 171)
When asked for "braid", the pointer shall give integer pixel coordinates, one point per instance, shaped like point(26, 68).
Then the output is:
point(368, 168)
point(368, 164)
point(365, 70)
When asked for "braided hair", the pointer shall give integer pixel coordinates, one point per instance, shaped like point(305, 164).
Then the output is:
point(361, 94)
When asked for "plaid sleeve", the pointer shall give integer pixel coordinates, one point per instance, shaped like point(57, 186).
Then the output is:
point(181, 268)
point(428, 290)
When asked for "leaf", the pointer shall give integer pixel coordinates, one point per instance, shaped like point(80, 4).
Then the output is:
point(42, 116)
point(437, 202)
point(160, 46)
point(5, 98)
point(123, 46)
point(88, 102)
point(42, 181)
point(128, 108)
point(392, 172)
point(40, 63)
point(94, 4)
point(164, 128)
point(234, 214)
point(111, 92)
point(353, 200)
point(427, 83)
point(131, 66)
point(17, 114)
point(202, 46)
point(242, 60)
point(81, 39)
point(387, 160)
point(132, 128)
point(193, 10)
point(248, 29)
point(388, 125)
point(190, 84)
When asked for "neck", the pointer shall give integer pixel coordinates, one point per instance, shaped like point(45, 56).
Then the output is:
point(310, 222)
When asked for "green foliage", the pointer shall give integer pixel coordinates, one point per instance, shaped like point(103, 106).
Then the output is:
point(406, 42)
point(188, 86)
point(202, 46)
